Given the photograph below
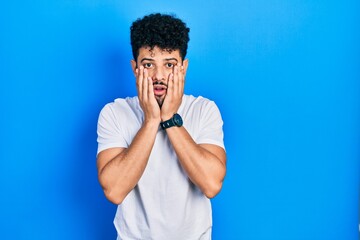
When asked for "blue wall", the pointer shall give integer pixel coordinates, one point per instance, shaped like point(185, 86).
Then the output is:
point(285, 75)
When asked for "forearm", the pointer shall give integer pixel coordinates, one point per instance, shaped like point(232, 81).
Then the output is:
point(121, 174)
point(204, 168)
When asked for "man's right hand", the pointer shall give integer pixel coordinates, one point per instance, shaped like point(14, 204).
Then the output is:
point(120, 169)
point(146, 96)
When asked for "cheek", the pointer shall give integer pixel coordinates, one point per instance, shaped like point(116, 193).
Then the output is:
point(169, 71)
point(151, 72)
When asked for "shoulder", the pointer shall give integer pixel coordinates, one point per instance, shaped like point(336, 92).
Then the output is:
point(199, 100)
point(121, 106)
point(198, 103)
point(120, 115)
point(121, 111)
point(196, 110)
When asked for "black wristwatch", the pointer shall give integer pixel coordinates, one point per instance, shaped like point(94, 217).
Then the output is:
point(176, 120)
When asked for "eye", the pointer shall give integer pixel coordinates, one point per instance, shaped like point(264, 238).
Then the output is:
point(148, 65)
point(169, 65)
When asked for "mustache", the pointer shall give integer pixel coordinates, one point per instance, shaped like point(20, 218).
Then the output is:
point(160, 83)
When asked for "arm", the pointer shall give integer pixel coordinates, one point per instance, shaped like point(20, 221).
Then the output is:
point(119, 169)
point(205, 164)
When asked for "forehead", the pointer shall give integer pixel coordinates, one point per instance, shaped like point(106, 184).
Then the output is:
point(157, 54)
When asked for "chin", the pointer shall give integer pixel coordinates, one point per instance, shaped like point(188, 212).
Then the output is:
point(160, 101)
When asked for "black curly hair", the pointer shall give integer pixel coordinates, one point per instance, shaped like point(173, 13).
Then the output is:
point(164, 31)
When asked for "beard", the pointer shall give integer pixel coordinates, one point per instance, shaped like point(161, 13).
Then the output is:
point(160, 100)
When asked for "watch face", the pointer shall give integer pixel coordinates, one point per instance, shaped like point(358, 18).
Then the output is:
point(178, 120)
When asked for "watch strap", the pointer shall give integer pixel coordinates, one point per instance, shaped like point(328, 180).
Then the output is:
point(175, 120)
point(167, 124)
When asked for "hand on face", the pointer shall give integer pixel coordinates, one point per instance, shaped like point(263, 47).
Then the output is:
point(160, 81)
point(174, 94)
point(164, 108)
point(145, 89)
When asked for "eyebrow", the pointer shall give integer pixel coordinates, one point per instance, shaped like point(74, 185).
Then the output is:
point(147, 59)
point(169, 59)
point(152, 60)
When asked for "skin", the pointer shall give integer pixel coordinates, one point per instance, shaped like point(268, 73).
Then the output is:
point(120, 169)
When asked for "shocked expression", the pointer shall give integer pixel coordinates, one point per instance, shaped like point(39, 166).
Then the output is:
point(160, 64)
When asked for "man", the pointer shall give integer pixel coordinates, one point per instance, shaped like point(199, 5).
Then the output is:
point(161, 154)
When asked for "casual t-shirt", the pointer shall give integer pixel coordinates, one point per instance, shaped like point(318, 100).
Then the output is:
point(164, 204)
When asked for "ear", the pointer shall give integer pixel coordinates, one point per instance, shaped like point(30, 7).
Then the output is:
point(185, 64)
point(133, 66)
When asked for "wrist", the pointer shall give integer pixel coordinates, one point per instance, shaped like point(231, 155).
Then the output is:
point(165, 117)
point(152, 123)
point(174, 120)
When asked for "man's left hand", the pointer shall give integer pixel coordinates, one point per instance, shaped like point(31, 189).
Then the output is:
point(175, 92)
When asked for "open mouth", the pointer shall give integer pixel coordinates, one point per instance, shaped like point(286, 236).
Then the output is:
point(159, 89)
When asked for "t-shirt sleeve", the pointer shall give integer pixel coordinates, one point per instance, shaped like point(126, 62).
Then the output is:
point(109, 130)
point(211, 126)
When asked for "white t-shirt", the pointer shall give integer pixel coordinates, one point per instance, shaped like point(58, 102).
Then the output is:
point(165, 204)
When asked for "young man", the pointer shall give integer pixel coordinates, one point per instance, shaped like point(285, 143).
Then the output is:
point(161, 154)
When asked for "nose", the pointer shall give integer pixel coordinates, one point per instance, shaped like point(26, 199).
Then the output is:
point(159, 74)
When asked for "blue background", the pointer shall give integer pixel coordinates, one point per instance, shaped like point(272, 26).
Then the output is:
point(285, 75)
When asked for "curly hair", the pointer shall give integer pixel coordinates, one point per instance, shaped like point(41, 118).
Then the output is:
point(164, 31)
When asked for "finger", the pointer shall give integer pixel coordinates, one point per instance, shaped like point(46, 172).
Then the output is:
point(181, 80)
point(137, 78)
point(177, 80)
point(170, 85)
point(145, 84)
point(139, 81)
point(150, 88)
